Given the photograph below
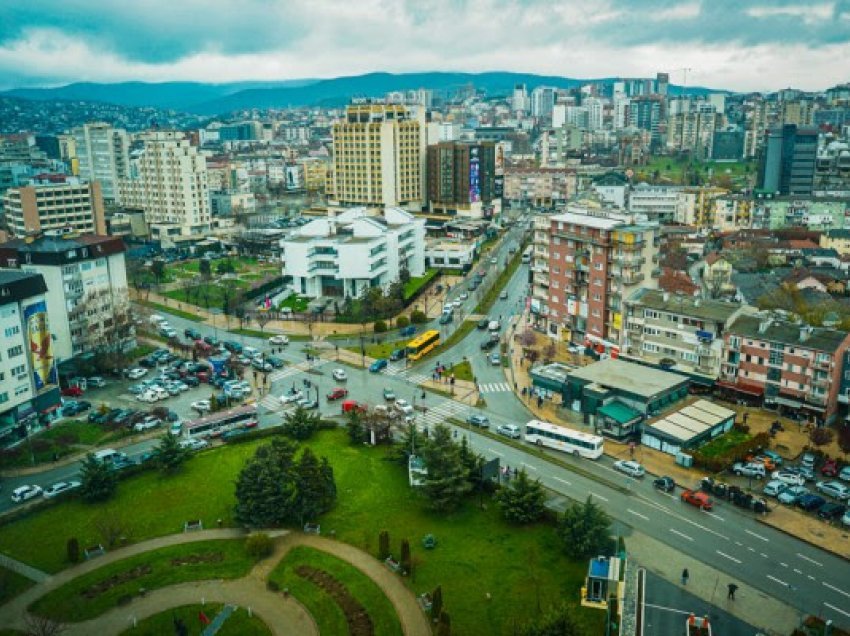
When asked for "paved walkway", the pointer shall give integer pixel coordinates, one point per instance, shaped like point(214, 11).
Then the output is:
point(284, 616)
point(23, 569)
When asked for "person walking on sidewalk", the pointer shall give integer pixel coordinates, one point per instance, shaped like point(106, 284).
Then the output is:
point(685, 576)
point(732, 589)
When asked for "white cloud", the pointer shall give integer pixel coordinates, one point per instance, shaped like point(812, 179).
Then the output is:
point(810, 13)
point(686, 11)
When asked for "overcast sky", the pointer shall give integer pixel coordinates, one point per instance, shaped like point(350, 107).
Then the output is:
point(736, 44)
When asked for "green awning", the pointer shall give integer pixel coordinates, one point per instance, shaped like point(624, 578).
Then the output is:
point(619, 412)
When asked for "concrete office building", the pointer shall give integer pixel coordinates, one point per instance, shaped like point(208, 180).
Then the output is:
point(103, 153)
point(787, 163)
point(379, 157)
point(543, 101)
point(342, 256)
point(58, 203)
point(29, 386)
point(168, 180)
point(462, 179)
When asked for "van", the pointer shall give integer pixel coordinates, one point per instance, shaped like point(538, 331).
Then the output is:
point(109, 456)
point(352, 405)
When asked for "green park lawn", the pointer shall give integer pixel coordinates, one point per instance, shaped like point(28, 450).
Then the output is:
point(418, 282)
point(321, 606)
point(188, 315)
point(522, 568)
point(61, 440)
point(78, 601)
point(237, 624)
point(721, 445)
point(297, 304)
point(12, 584)
point(463, 371)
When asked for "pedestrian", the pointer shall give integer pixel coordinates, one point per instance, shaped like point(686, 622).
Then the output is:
point(732, 589)
point(746, 416)
point(685, 576)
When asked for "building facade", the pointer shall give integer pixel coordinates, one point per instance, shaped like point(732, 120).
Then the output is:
point(103, 155)
point(820, 214)
point(540, 187)
point(462, 179)
point(787, 163)
point(69, 205)
point(345, 255)
point(379, 157)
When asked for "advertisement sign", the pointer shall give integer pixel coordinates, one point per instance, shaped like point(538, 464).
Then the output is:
point(500, 157)
point(617, 320)
point(41, 347)
point(499, 186)
point(572, 307)
point(474, 176)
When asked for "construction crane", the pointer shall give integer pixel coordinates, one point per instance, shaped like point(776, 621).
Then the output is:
point(684, 70)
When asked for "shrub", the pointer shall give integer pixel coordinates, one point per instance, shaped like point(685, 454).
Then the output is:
point(73, 549)
point(259, 545)
point(402, 321)
point(380, 326)
point(405, 556)
point(418, 317)
point(383, 545)
point(272, 586)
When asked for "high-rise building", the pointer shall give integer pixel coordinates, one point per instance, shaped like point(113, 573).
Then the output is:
point(58, 203)
point(645, 114)
point(542, 101)
point(595, 112)
point(693, 132)
point(29, 385)
point(621, 111)
point(379, 156)
point(597, 258)
point(462, 179)
point(103, 155)
point(168, 180)
point(788, 160)
point(756, 124)
point(662, 82)
point(519, 100)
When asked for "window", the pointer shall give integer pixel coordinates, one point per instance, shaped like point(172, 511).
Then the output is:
point(21, 369)
point(649, 313)
point(14, 351)
point(22, 389)
point(4, 397)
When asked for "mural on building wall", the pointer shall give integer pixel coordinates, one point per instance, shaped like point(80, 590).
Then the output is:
point(41, 346)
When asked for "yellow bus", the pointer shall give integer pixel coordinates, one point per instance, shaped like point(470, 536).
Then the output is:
point(422, 344)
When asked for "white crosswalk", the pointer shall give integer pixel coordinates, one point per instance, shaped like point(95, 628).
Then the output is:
point(494, 387)
point(295, 369)
point(440, 413)
point(271, 402)
point(411, 375)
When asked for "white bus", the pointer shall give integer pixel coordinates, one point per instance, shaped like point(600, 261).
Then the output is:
point(526, 255)
point(563, 439)
point(217, 423)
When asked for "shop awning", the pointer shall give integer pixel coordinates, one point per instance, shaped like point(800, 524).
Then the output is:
point(619, 412)
point(747, 389)
point(794, 404)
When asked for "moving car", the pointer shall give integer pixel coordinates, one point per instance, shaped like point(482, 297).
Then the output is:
point(72, 391)
point(508, 430)
point(378, 365)
point(445, 318)
point(337, 394)
point(698, 499)
point(403, 406)
point(59, 488)
point(192, 334)
point(495, 359)
point(504, 294)
point(482, 324)
point(279, 340)
point(664, 484)
point(630, 468)
point(481, 421)
point(398, 354)
point(339, 375)
point(193, 444)
point(25, 493)
point(488, 344)
point(834, 489)
point(308, 404)
point(292, 396)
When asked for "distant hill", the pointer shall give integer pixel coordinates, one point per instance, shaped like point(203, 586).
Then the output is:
point(214, 99)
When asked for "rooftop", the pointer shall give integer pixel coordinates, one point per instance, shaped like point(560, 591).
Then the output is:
point(634, 378)
point(714, 310)
point(587, 220)
point(785, 332)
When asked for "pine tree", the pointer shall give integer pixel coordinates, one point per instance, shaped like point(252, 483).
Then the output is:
point(584, 530)
point(169, 454)
point(522, 501)
point(558, 621)
point(73, 550)
point(300, 424)
point(446, 482)
point(354, 426)
point(383, 545)
point(316, 488)
point(267, 487)
point(405, 556)
point(436, 602)
point(97, 481)
point(444, 625)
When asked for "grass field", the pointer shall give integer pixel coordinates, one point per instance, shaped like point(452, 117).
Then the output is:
point(60, 439)
point(12, 584)
point(68, 603)
point(188, 315)
point(416, 283)
point(324, 610)
point(379, 350)
point(298, 304)
point(237, 624)
point(463, 371)
point(206, 295)
point(724, 443)
point(256, 333)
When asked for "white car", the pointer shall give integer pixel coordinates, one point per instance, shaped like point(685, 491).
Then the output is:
point(148, 423)
point(96, 382)
point(339, 375)
point(845, 520)
point(403, 406)
point(193, 444)
point(463, 296)
point(774, 488)
point(150, 396)
point(834, 489)
point(201, 406)
point(279, 340)
point(292, 396)
point(59, 487)
point(457, 304)
point(791, 479)
point(25, 493)
point(135, 374)
point(632, 469)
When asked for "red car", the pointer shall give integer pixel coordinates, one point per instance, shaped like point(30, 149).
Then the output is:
point(698, 499)
point(830, 468)
point(351, 405)
point(337, 394)
point(72, 391)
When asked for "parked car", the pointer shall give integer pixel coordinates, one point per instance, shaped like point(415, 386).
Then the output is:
point(308, 404)
point(630, 468)
point(389, 395)
point(337, 394)
point(830, 468)
point(25, 493)
point(845, 519)
point(192, 334)
point(774, 487)
point(279, 340)
point(508, 430)
point(698, 499)
point(756, 471)
point(408, 331)
point(96, 417)
point(830, 511)
point(276, 363)
point(149, 422)
point(664, 484)
point(232, 346)
point(291, 397)
point(792, 479)
point(352, 405)
point(136, 373)
point(378, 365)
point(834, 489)
point(810, 502)
point(96, 382)
point(844, 473)
point(398, 354)
point(72, 391)
point(808, 460)
point(480, 421)
point(774, 456)
point(769, 464)
point(59, 488)
point(791, 494)
point(201, 406)
point(504, 294)
point(194, 444)
point(339, 375)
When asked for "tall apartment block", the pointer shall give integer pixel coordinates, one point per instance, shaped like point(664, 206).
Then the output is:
point(168, 181)
point(788, 160)
point(103, 155)
point(379, 157)
point(61, 204)
point(597, 259)
point(462, 179)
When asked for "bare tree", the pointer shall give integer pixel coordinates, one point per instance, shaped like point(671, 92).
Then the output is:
point(111, 528)
point(528, 338)
point(42, 626)
point(550, 350)
point(263, 318)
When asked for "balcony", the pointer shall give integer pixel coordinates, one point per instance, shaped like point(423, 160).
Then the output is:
point(629, 261)
point(632, 278)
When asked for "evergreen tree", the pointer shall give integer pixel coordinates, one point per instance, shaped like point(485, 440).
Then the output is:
point(411, 443)
point(584, 530)
point(354, 426)
point(97, 482)
point(445, 484)
point(169, 454)
point(522, 501)
point(444, 625)
point(404, 560)
point(558, 621)
point(267, 487)
point(316, 487)
point(300, 424)
point(383, 545)
point(436, 602)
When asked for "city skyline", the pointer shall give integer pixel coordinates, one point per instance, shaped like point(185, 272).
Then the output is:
point(741, 46)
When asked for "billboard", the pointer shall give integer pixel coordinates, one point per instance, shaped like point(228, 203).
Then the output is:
point(41, 347)
point(474, 176)
point(499, 187)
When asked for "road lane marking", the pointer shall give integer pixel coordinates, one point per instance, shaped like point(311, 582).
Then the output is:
point(637, 514)
point(681, 534)
point(805, 558)
point(832, 587)
point(811, 577)
point(711, 514)
point(800, 572)
point(832, 607)
point(563, 481)
point(751, 549)
point(739, 543)
point(593, 494)
point(731, 558)
point(784, 565)
point(763, 554)
point(529, 466)
point(495, 452)
point(780, 581)
point(667, 609)
point(757, 536)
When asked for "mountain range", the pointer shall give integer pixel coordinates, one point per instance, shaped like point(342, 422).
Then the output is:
point(214, 99)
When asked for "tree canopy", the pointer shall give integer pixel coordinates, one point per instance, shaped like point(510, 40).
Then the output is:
point(447, 481)
point(522, 500)
point(584, 530)
point(97, 481)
